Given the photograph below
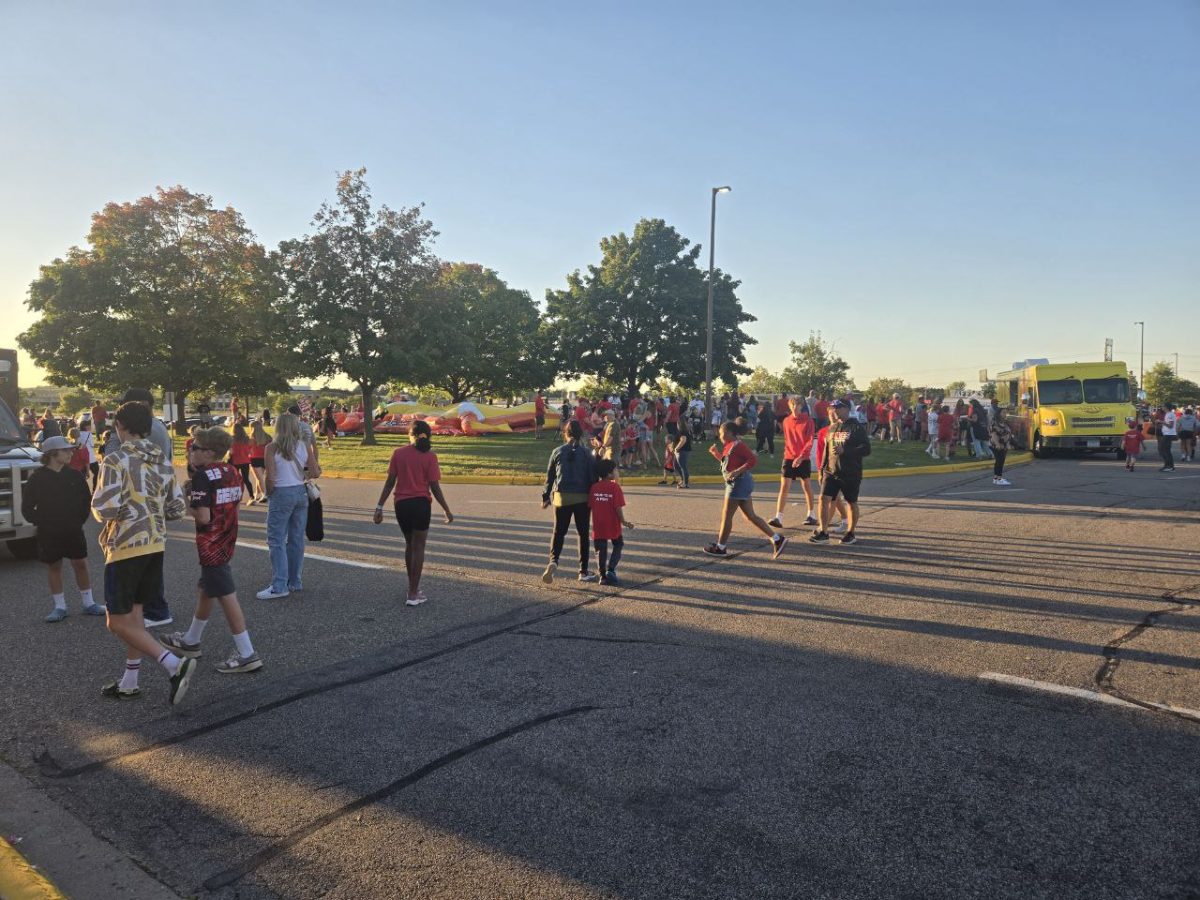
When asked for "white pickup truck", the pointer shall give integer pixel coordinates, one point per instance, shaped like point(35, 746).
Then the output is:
point(18, 457)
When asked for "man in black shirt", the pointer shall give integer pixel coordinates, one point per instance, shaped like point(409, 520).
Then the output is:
point(846, 443)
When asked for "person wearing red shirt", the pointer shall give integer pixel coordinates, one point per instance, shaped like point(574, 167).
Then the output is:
point(895, 418)
point(99, 416)
point(822, 412)
point(797, 461)
point(671, 419)
point(415, 475)
point(539, 415)
point(1132, 443)
point(945, 431)
point(258, 452)
point(214, 495)
point(736, 461)
point(782, 407)
point(239, 457)
point(583, 413)
point(606, 501)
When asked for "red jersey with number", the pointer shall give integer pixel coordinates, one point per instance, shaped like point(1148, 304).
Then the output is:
point(605, 499)
point(219, 487)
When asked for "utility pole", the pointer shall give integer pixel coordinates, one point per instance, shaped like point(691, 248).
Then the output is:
point(1142, 363)
point(712, 251)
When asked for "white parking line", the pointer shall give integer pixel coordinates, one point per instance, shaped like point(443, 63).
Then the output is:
point(333, 559)
point(999, 490)
point(1051, 688)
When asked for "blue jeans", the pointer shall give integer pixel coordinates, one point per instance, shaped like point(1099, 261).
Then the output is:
point(981, 452)
point(681, 465)
point(287, 515)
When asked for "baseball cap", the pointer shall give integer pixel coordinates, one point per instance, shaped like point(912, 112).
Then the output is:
point(56, 443)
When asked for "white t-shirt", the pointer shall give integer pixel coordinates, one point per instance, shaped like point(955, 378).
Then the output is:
point(1168, 424)
point(286, 472)
point(931, 421)
point(87, 439)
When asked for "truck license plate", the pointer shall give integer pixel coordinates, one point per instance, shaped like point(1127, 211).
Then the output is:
point(1094, 443)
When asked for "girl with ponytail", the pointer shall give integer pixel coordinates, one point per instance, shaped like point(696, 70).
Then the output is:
point(415, 476)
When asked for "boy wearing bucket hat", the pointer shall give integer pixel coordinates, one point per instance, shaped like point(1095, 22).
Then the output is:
point(56, 499)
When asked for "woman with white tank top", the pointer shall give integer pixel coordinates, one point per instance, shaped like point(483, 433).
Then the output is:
point(287, 459)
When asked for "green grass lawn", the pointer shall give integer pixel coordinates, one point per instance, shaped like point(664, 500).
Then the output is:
point(519, 455)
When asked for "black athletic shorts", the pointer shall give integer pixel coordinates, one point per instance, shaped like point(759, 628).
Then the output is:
point(1186, 435)
point(797, 468)
point(413, 514)
point(63, 545)
point(133, 581)
point(258, 463)
point(539, 421)
point(847, 487)
point(217, 581)
point(673, 429)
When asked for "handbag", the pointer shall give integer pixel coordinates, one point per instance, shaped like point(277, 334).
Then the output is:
point(314, 529)
point(310, 487)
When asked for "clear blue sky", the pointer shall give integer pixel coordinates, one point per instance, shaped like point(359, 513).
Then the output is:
point(937, 187)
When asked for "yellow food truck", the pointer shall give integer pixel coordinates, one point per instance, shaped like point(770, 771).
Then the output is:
point(1067, 406)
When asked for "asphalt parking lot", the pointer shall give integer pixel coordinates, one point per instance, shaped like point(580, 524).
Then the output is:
point(993, 694)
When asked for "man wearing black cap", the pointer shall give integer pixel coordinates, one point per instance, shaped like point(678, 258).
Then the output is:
point(156, 613)
point(846, 445)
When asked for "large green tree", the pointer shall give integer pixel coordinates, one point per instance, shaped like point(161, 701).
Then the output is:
point(172, 292)
point(1163, 385)
point(640, 314)
point(490, 338)
point(883, 388)
point(816, 367)
point(358, 288)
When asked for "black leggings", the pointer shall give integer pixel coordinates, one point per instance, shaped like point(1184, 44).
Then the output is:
point(562, 521)
point(609, 564)
point(244, 468)
point(998, 454)
point(765, 436)
point(95, 467)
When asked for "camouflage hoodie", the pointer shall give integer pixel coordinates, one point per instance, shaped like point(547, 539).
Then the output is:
point(136, 497)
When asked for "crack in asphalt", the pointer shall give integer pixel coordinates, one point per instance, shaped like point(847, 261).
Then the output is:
point(235, 873)
point(1112, 658)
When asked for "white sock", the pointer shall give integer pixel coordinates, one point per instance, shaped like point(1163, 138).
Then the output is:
point(60, 601)
point(720, 546)
point(170, 662)
point(86, 596)
point(242, 642)
point(195, 630)
point(776, 537)
point(129, 679)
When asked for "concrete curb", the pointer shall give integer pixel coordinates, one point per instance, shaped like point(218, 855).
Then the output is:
point(20, 879)
point(772, 478)
point(56, 842)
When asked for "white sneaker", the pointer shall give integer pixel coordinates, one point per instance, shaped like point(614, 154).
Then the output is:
point(268, 594)
point(1003, 482)
point(841, 527)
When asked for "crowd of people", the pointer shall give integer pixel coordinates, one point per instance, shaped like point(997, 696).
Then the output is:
point(133, 493)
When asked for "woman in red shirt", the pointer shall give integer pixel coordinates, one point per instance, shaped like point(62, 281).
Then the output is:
point(736, 461)
point(258, 452)
point(239, 458)
point(415, 475)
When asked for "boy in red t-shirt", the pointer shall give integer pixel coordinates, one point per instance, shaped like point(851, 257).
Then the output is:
point(797, 461)
point(1132, 442)
point(607, 502)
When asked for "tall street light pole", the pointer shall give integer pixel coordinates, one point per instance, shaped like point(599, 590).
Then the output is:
point(708, 360)
point(1142, 363)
